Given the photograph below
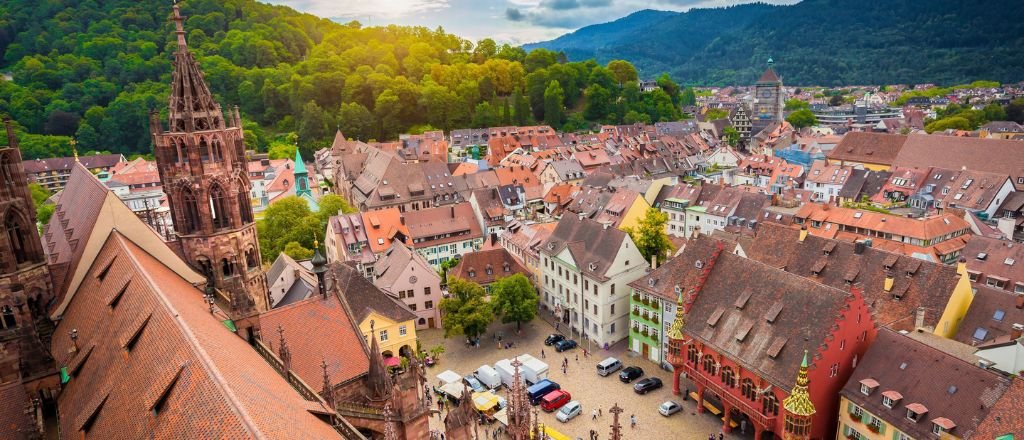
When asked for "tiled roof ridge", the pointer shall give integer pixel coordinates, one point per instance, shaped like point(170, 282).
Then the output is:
point(205, 361)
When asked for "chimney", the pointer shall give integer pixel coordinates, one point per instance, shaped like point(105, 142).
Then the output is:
point(961, 267)
point(453, 211)
point(1020, 302)
point(889, 281)
point(606, 225)
point(401, 219)
point(859, 246)
point(654, 262)
point(919, 318)
point(1016, 330)
point(581, 215)
point(12, 141)
point(803, 233)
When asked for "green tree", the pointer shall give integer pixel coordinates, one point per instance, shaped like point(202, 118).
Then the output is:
point(650, 237)
point(1015, 111)
point(356, 122)
point(731, 135)
point(484, 116)
point(522, 108)
point(802, 118)
point(622, 71)
point(514, 299)
point(465, 311)
point(670, 87)
point(715, 114)
point(297, 252)
point(331, 205)
point(994, 112)
point(634, 116)
point(40, 197)
point(796, 104)
point(281, 150)
point(688, 97)
point(539, 59)
point(284, 221)
point(554, 111)
point(952, 122)
point(599, 103)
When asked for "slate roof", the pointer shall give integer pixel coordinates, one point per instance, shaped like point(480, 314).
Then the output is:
point(362, 297)
point(473, 266)
point(67, 163)
point(869, 148)
point(953, 152)
point(930, 286)
point(588, 242)
point(946, 386)
point(1002, 259)
point(730, 304)
point(317, 330)
point(147, 341)
point(980, 325)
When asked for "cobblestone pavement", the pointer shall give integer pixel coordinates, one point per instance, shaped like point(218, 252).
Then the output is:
point(582, 382)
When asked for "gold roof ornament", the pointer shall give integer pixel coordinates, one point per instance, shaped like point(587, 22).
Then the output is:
point(798, 402)
point(74, 148)
point(676, 330)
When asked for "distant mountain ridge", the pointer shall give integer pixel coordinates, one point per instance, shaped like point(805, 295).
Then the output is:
point(816, 42)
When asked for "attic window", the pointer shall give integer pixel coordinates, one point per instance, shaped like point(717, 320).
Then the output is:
point(116, 298)
point(773, 313)
point(592, 266)
point(86, 424)
point(998, 315)
point(76, 364)
point(651, 282)
point(106, 268)
point(867, 386)
point(982, 256)
point(980, 334)
point(1009, 261)
point(161, 400)
point(915, 411)
point(129, 344)
point(742, 300)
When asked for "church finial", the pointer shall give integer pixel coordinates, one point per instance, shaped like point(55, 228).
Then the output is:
point(798, 405)
point(675, 331)
point(771, 62)
point(74, 149)
point(179, 26)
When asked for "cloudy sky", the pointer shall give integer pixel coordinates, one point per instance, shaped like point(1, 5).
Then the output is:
point(512, 21)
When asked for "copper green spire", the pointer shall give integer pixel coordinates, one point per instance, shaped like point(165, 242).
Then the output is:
point(799, 403)
point(676, 330)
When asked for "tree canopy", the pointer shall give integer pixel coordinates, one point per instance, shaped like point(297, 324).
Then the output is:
point(94, 70)
point(514, 299)
point(465, 311)
point(650, 237)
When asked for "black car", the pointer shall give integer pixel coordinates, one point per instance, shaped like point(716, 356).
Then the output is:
point(648, 384)
point(565, 344)
point(627, 375)
point(553, 339)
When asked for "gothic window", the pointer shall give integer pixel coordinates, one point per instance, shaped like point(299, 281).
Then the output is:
point(748, 389)
point(182, 152)
point(770, 404)
point(205, 266)
point(226, 268)
point(189, 212)
point(250, 259)
point(709, 363)
point(219, 207)
point(17, 236)
point(204, 150)
point(691, 354)
point(8, 321)
point(728, 377)
point(244, 205)
point(218, 150)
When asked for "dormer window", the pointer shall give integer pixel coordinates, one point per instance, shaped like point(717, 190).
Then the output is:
point(592, 266)
point(651, 282)
point(942, 425)
point(472, 273)
point(891, 398)
point(915, 412)
point(867, 386)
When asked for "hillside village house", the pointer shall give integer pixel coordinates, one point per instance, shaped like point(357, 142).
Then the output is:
point(825, 180)
point(587, 269)
point(443, 233)
point(405, 275)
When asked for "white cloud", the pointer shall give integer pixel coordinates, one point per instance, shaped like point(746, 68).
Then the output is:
point(364, 8)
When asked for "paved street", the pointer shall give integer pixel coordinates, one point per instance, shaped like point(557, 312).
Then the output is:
point(582, 382)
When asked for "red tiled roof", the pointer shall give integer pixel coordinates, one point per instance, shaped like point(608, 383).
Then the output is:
point(205, 380)
point(868, 148)
point(15, 424)
point(474, 265)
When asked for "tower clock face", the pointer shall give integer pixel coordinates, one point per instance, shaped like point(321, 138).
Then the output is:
point(766, 94)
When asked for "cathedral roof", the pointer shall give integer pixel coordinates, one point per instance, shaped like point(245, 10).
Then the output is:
point(152, 361)
point(769, 76)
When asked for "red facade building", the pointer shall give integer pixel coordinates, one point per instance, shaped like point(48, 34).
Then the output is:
point(751, 340)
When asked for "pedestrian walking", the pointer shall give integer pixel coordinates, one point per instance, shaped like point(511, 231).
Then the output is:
point(743, 426)
point(556, 326)
point(542, 354)
point(721, 436)
point(593, 416)
point(577, 357)
point(632, 421)
point(599, 412)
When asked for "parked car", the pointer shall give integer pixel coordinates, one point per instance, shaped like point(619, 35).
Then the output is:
point(608, 366)
point(629, 373)
point(565, 344)
point(555, 400)
point(669, 407)
point(540, 389)
point(570, 410)
point(648, 384)
point(474, 384)
point(553, 338)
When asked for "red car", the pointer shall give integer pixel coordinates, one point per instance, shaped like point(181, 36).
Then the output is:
point(554, 400)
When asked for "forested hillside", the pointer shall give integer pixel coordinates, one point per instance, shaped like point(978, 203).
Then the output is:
point(92, 69)
point(819, 42)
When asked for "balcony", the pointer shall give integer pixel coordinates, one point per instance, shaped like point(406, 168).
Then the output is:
point(741, 403)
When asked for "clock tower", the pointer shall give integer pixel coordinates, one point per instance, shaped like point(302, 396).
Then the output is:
point(769, 99)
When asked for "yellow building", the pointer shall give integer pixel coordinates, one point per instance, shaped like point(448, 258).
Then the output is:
point(956, 307)
point(378, 314)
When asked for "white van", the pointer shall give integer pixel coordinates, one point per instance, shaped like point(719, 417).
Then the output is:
point(608, 366)
point(488, 376)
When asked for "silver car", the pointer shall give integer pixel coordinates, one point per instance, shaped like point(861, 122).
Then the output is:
point(568, 411)
point(669, 407)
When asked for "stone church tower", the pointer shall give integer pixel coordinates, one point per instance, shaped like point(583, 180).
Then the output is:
point(769, 95)
point(202, 165)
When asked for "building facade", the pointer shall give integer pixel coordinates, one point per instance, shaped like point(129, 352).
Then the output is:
point(202, 165)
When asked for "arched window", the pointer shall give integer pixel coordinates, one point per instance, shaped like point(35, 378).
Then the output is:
point(226, 268)
point(17, 236)
point(244, 205)
point(182, 152)
point(250, 259)
point(748, 389)
point(218, 151)
point(205, 266)
point(189, 212)
point(204, 150)
point(728, 377)
point(8, 322)
point(770, 404)
point(709, 363)
point(691, 354)
point(219, 207)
